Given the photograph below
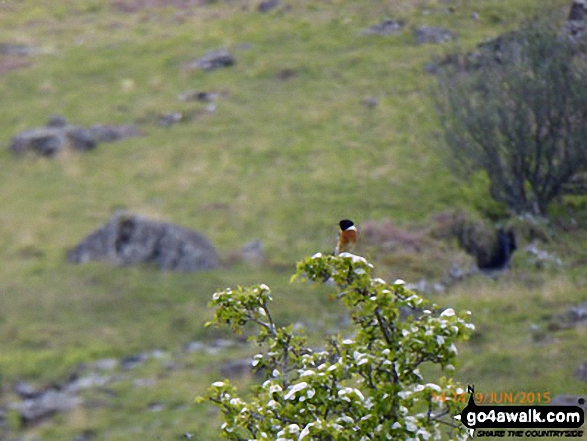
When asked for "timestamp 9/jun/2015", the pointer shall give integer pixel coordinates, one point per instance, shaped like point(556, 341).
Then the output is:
point(497, 397)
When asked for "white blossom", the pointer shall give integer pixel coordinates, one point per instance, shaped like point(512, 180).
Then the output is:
point(292, 390)
point(449, 312)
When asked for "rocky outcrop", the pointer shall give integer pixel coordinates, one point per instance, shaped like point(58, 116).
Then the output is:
point(58, 135)
point(128, 239)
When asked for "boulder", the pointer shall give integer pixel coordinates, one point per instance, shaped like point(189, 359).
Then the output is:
point(49, 403)
point(578, 10)
point(127, 239)
point(46, 141)
point(212, 61)
point(426, 34)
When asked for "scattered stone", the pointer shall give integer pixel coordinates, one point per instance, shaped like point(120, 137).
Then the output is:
point(58, 135)
point(475, 16)
point(203, 97)
point(25, 390)
point(542, 259)
point(51, 402)
point(171, 118)
point(371, 102)
point(223, 343)
point(128, 239)
point(267, 5)
point(578, 314)
point(386, 27)
point(195, 346)
point(86, 382)
point(105, 364)
point(236, 368)
point(426, 34)
point(132, 361)
point(156, 406)
point(426, 287)
point(212, 61)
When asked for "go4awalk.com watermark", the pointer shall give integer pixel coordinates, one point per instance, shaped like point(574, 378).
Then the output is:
point(522, 421)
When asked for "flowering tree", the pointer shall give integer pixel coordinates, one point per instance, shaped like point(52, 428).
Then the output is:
point(362, 387)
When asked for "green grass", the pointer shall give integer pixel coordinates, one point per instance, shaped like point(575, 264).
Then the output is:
point(281, 160)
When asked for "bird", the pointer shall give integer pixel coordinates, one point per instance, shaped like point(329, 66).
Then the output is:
point(347, 238)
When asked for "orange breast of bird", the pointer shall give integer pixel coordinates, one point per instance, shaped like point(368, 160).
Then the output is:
point(347, 240)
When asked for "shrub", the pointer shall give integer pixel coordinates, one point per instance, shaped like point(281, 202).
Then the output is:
point(363, 386)
point(517, 110)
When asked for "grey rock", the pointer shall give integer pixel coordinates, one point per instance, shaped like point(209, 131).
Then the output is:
point(58, 135)
point(578, 10)
point(426, 287)
point(578, 314)
point(46, 141)
point(195, 346)
point(223, 343)
point(127, 239)
point(386, 27)
point(81, 139)
point(51, 402)
point(133, 361)
point(105, 364)
point(156, 406)
point(57, 121)
point(86, 382)
point(212, 60)
point(170, 119)
point(25, 390)
point(434, 35)
point(202, 96)
point(267, 5)
point(540, 258)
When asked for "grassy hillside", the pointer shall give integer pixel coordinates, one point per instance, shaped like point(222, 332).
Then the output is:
point(290, 149)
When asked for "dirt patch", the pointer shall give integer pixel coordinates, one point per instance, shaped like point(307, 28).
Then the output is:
point(9, 63)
